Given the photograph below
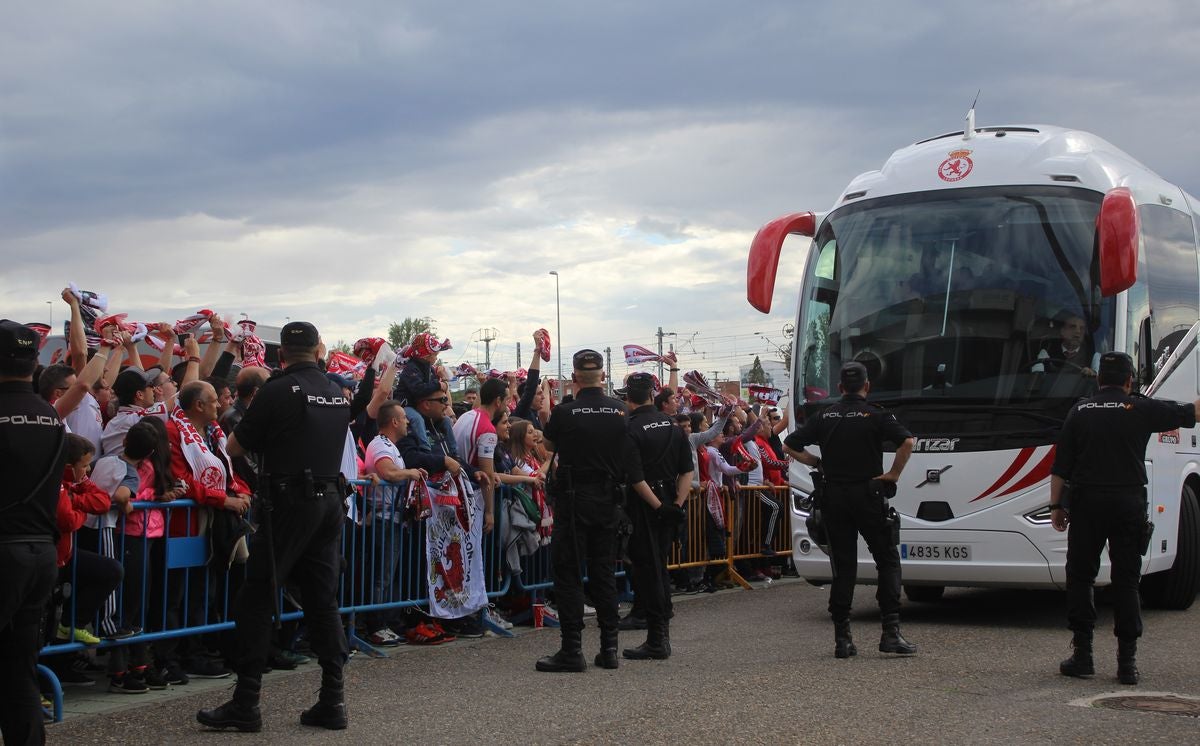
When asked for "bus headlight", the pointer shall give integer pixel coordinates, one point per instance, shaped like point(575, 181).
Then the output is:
point(1039, 517)
point(801, 502)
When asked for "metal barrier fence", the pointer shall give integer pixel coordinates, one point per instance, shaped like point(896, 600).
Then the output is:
point(171, 590)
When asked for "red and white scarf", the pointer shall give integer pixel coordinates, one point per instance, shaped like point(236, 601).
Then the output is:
point(764, 394)
point(209, 469)
point(424, 344)
point(636, 354)
point(699, 385)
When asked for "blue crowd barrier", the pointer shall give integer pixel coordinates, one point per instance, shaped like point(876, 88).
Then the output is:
point(177, 593)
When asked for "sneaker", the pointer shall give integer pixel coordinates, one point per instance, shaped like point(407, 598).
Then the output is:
point(47, 710)
point(123, 633)
point(128, 683)
point(81, 635)
point(442, 634)
point(383, 637)
point(468, 627)
point(154, 678)
point(173, 674)
point(768, 550)
point(494, 617)
point(84, 664)
point(206, 668)
point(71, 677)
point(589, 610)
point(423, 634)
point(706, 586)
point(300, 659)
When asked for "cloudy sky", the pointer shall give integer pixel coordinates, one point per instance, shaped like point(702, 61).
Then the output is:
point(356, 163)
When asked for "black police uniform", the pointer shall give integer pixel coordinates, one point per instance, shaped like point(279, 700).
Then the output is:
point(595, 458)
point(31, 438)
point(851, 434)
point(1101, 453)
point(297, 424)
point(665, 455)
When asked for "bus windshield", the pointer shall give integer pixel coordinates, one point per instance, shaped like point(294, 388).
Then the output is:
point(976, 311)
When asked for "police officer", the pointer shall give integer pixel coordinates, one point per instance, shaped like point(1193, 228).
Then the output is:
point(851, 434)
point(1101, 453)
point(596, 459)
point(666, 461)
point(32, 460)
point(297, 426)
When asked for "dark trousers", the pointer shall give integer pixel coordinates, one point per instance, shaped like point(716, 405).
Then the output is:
point(648, 548)
point(585, 525)
point(850, 510)
point(29, 573)
point(92, 578)
point(306, 533)
point(1096, 518)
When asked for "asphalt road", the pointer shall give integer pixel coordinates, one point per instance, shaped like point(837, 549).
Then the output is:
point(749, 667)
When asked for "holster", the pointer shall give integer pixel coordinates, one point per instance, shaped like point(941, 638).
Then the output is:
point(1147, 534)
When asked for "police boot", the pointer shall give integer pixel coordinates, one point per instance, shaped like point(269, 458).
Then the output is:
point(607, 657)
point(656, 647)
point(330, 710)
point(241, 712)
point(843, 643)
point(1080, 663)
point(1127, 670)
point(569, 658)
point(891, 641)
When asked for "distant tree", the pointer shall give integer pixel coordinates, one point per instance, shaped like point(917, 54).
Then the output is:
point(757, 374)
point(342, 346)
point(785, 354)
point(401, 334)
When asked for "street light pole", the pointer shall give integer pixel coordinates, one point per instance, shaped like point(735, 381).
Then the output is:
point(51, 322)
point(558, 323)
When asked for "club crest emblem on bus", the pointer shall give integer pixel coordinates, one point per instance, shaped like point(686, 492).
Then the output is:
point(957, 166)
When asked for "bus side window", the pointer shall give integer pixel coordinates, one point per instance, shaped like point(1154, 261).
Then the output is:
point(1172, 282)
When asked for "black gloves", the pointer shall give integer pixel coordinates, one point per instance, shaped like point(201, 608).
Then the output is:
point(671, 514)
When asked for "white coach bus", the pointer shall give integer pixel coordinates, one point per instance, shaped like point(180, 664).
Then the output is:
point(978, 275)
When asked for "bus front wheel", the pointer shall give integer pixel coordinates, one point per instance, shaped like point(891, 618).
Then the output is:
point(1176, 588)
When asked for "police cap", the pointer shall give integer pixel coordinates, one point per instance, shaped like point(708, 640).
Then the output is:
point(1116, 365)
point(640, 382)
point(854, 375)
point(587, 360)
point(17, 341)
point(299, 334)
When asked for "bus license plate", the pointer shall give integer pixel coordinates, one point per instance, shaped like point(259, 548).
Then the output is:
point(949, 552)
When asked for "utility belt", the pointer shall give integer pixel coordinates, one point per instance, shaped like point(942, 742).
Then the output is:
point(877, 487)
point(570, 482)
point(305, 486)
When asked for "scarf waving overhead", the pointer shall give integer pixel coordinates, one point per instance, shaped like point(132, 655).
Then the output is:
point(344, 364)
point(699, 385)
point(187, 324)
point(543, 344)
point(424, 344)
point(464, 370)
point(764, 394)
point(636, 354)
point(209, 469)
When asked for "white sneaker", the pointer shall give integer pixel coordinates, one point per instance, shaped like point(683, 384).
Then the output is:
point(588, 610)
point(494, 617)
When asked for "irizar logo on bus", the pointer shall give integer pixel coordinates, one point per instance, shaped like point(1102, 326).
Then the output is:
point(935, 445)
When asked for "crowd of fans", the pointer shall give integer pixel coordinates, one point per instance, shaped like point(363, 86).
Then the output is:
point(157, 434)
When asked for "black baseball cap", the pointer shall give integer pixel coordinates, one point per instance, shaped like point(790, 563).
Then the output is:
point(299, 334)
point(587, 360)
point(854, 374)
point(132, 380)
point(17, 341)
point(1116, 364)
